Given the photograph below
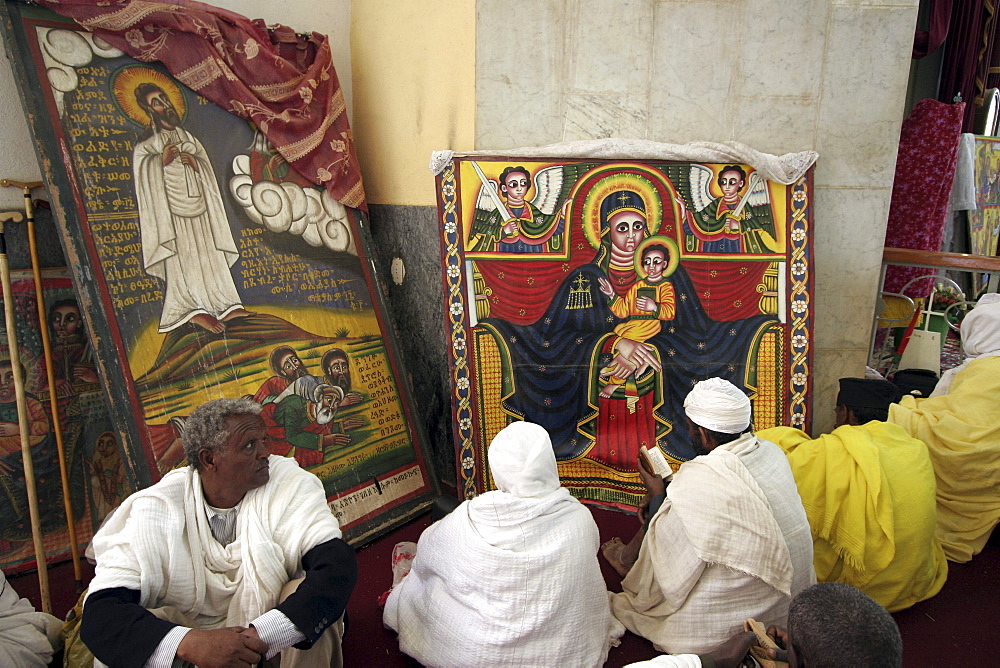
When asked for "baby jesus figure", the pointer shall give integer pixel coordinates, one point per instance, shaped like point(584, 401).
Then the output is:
point(648, 302)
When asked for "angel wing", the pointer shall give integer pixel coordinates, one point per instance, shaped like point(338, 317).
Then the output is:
point(548, 189)
point(700, 181)
point(485, 201)
point(757, 193)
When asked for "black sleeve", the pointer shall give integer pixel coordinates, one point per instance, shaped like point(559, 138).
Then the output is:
point(331, 572)
point(118, 630)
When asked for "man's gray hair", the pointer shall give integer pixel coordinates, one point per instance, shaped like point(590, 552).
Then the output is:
point(205, 428)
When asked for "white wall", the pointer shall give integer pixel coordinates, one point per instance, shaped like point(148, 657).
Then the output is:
point(780, 76)
point(330, 17)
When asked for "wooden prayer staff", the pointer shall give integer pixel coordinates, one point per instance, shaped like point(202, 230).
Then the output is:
point(22, 414)
point(29, 211)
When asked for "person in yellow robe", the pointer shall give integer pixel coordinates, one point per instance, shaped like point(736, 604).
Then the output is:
point(869, 493)
point(961, 428)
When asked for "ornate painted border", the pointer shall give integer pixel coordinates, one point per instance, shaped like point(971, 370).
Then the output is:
point(799, 304)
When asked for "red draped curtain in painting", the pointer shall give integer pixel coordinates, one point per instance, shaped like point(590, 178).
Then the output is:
point(283, 82)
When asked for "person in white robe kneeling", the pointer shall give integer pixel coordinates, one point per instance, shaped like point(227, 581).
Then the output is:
point(510, 577)
point(729, 540)
point(207, 565)
point(27, 638)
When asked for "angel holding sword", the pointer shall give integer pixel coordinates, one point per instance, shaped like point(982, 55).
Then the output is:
point(517, 225)
point(731, 223)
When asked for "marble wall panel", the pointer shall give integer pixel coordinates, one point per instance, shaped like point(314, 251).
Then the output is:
point(781, 51)
point(756, 119)
point(596, 116)
point(610, 45)
point(849, 229)
point(692, 80)
point(521, 72)
point(863, 97)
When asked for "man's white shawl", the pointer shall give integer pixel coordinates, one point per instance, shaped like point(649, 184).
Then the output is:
point(731, 541)
point(27, 637)
point(511, 577)
point(160, 544)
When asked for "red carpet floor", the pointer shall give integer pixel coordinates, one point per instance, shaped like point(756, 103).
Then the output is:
point(957, 627)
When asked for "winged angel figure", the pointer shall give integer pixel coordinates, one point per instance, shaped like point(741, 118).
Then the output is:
point(506, 223)
point(740, 221)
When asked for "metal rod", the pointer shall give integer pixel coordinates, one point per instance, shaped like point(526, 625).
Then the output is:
point(22, 417)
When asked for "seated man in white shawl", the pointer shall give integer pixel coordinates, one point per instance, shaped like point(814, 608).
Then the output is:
point(215, 548)
point(27, 637)
point(729, 541)
point(511, 577)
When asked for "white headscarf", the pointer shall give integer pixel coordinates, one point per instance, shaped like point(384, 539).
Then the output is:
point(980, 338)
point(718, 405)
point(981, 328)
point(522, 460)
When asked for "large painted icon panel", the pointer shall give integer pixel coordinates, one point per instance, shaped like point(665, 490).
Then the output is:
point(210, 268)
point(984, 221)
point(590, 295)
point(95, 471)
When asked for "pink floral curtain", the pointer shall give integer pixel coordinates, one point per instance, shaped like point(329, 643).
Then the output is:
point(921, 191)
point(284, 83)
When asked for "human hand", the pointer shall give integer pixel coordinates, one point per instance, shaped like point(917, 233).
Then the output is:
point(350, 399)
point(781, 639)
point(189, 160)
point(221, 648)
point(643, 510)
point(352, 423)
point(731, 653)
point(84, 373)
point(654, 483)
point(9, 429)
point(510, 228)
point(170, 153)
point(605, 286)
point(638, 354)
point(646, 304)
point(336, 440)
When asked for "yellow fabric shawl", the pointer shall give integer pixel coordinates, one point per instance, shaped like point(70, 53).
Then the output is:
point(962, 433)
point(868, 492)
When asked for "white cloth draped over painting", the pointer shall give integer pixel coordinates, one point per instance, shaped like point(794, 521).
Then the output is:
point(730, 542)
point(159, 543)
point(510, 577)
point(27, 637)
point(186, 238)
point(786, 169)
point(980, 338)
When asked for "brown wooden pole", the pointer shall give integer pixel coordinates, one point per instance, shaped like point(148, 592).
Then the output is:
point(22, 416)
point(29, 212)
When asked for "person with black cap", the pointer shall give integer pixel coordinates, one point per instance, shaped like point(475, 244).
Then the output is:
point(868, 490)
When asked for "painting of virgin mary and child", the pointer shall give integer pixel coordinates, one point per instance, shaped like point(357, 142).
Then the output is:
point(602, 345)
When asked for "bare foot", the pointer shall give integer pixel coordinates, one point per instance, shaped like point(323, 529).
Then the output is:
point(238, 313)
point(208, 322)
point(607, 391)
point(612, 551)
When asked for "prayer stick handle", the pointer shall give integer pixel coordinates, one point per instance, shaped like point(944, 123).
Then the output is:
point(29, 185)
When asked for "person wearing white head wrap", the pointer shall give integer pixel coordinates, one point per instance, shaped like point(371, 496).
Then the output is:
point(980, 338)
point(718, 405)
point(960, 423)
point(510, 577)
point(729, 542)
